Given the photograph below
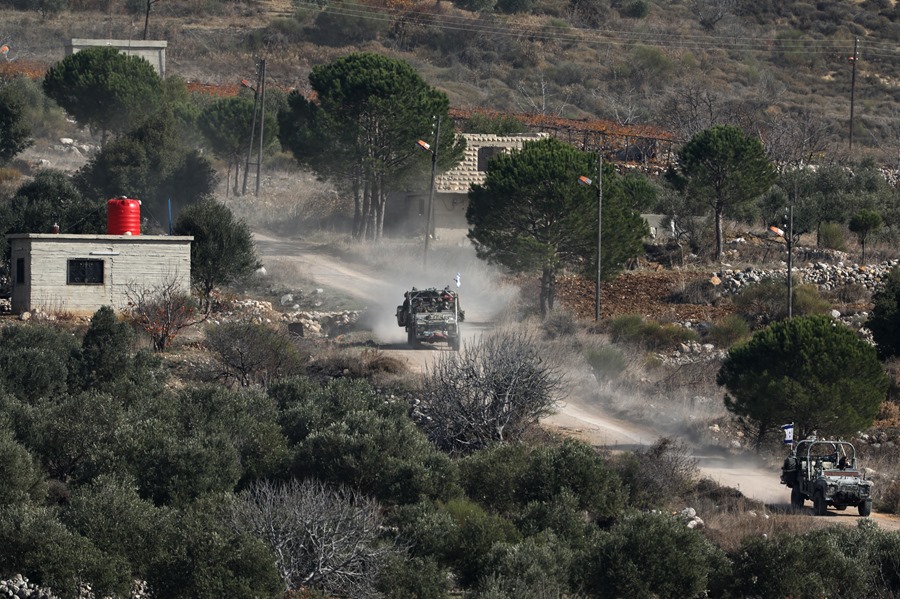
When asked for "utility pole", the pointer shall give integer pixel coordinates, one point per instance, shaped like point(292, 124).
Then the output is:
point(599, 230)
point(790, 249)
point(853, 60)
point(259, 115)
point(429, 217)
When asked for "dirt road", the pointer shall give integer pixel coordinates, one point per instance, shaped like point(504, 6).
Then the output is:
point(381, 291)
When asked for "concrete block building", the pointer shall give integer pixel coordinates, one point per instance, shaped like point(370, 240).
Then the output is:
point(407, 212)
point(153, 51)
point(81, 273)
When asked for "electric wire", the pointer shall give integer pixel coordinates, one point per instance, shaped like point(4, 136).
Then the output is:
point(498, 26)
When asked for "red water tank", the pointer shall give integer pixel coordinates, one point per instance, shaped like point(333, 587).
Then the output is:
point(123, 216)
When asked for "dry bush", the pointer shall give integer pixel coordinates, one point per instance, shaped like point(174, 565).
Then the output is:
point(700, 291)
point(658, 475)
point(253, 354)
point(888, 415)
point(850, 293)
point(370, 363)
point(731, 518)
point(489, 394)
point(161, 311)
point(728, 331)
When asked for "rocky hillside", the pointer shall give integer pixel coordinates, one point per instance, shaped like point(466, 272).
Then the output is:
point(777, 67)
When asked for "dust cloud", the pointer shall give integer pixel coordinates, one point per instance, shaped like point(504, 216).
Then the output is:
point(400, 268)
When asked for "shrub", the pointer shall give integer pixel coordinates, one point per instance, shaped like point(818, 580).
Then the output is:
point(766, 301)
point(885, 319)
point(491, 393)
point(728, 331)
point(638, 9)
point(626, 329)
point(514, 6)
point(35, 360)
point(347, 434)
point(559, 324)
point(405, 577)
point(477, 532)
point(851, 293)
point(608, 363)
point(652, 555)
point(700, 291)
point(658, 474)
point(651, 336)
point(253, 353)
point(831, 236)
point(162, 311)
point(337, 26)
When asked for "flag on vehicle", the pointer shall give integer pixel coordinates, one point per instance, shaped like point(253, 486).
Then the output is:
point(457, 279)
point(788, 433)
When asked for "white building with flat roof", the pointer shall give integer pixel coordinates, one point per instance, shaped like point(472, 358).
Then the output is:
point(79, 274)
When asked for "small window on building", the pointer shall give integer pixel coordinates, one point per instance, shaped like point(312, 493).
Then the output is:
point(485, 154)
point(85, 272)
point(20, 271)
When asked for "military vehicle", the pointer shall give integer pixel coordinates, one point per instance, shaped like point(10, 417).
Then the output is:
point(826, 472)
point(431, 316)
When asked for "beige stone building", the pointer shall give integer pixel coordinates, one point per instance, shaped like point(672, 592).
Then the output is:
point(78, 274)
point(407, 211)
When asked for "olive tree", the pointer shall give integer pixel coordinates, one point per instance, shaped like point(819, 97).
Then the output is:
point(864, 223)
point(222, 252)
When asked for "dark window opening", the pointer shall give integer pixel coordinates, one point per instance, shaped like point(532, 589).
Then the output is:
point(20, 271)
point(85, 272)
point(485, 154)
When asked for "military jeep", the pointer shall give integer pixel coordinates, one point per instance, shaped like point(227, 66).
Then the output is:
point(826, 472)
point(431, 316)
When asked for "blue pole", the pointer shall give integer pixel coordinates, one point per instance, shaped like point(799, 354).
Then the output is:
point(170, 216)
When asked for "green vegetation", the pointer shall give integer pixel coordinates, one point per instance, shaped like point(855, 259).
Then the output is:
point(222, 252)
point(864, 223)
point(105, 89)
point(723, 169)
point(361, 131)
point(532, 215)
point(15, 128)
point(795, 371)
point(885, 319)
point(649, 335)
point(766, 302)
point(227, 125)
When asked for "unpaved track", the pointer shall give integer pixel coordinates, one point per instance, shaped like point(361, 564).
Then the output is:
point(578, 418)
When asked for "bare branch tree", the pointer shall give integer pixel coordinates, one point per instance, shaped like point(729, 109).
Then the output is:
point(325, 538)
point(792, 140)
point(488, 394)
point(162, 311)
point(628, 106)
point(540, 102)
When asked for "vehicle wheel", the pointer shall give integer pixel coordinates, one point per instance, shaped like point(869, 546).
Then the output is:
point(820, 506)
point(865, 508)
point(797, 498)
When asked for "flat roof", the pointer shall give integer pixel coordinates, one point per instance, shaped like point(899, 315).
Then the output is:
point(74, 237)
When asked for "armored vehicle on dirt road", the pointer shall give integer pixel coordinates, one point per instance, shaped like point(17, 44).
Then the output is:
point(826, 472)
point(431, 316)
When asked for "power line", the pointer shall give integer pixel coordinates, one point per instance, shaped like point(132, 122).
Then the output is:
point(494, 26)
